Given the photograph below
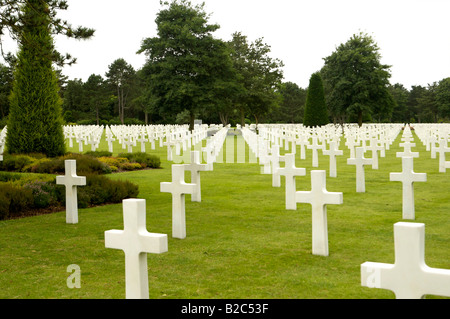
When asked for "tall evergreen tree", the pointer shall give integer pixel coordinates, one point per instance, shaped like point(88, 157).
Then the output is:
point(316, 113)
point(35, 122)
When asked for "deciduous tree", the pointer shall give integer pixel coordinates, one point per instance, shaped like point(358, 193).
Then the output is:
point(185, 63)
point(357, 80)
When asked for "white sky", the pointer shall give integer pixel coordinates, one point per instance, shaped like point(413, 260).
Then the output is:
point(413, 35)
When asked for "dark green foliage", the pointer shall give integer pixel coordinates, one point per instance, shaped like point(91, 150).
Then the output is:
point(7, 176)
point(98, 153)
point(13, 200)
point(101, 190)
point(35, 195)
point(35, 121)
point(316, 113)
point(146, 160)
point(357, 82)
point(85, 165)
point(186, 66)
point(44, 193)
point(15, 162)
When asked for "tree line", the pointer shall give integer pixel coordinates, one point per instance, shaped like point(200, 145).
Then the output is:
point(190, 74)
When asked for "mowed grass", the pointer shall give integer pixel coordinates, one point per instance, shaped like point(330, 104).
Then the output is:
point(241, 241)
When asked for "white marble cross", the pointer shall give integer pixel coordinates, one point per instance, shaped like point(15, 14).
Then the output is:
point(195, 168)
point(275, 159)
point(136, 242)
point(290, 172)
point(170, 144)
point(178, 188)
point(442, 149)
point(409, 277)
point(407, 150)
point(332, 152)
point(351, 143)
point(129, 143)
point(110, 139)
point(360, 161)
point(315, 155)
point(71, 181)
point(408, 177)
point(142, 140)
point(374, 147)
point(319, 198)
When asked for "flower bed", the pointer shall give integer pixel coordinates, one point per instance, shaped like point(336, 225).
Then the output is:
point(28, 182)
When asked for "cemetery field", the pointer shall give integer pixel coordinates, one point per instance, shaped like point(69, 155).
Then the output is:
point(241, 241)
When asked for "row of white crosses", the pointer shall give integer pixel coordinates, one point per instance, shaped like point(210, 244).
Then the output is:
point(436, 138)
point(179, 188)
point(409, 277)
point(214, 145)
point(84, 135)
point(372, 274)
point(318, 197)
point(410, 268)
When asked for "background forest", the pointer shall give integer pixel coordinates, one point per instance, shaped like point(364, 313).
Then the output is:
point(190, 74)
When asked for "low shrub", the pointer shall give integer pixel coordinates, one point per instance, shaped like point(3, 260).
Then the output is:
point(101, 190)
point(15, 162)
point(98, 153)
point(146, 160)
point(45, 193)
point(14, 200)
point(85, 165)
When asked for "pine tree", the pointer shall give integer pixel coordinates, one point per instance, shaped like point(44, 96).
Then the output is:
point(35, 122)
point(316, 113)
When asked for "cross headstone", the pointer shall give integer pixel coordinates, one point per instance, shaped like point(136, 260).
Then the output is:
point(359, 161)
point(195, 168)
point(374, 147)
point(178, 188)
point(142, 140)
point(407, 150)
point(442, 149)
point(408, 177)
point(302, 141)
point(315, 155)
point(70, 180)
point(409, 277)
point(290, 172)
point(275, 159)
point(136, 242)
point(319, 198)
point(333, 152)
point(110, 139)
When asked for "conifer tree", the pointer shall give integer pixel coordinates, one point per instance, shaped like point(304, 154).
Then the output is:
point(35, 122)
point(316, 113)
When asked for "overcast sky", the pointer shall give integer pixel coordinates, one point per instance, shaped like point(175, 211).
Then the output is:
point(413, 35)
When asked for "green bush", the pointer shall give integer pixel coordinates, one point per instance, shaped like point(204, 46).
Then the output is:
point(85, 165)
point(101, 190)
point(14, 200)
point(146, 160)
point(9, 177)
point(15, 162)
point(45, 194)
point(98, 153)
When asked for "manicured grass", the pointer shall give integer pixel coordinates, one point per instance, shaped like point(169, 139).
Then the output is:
point(241, 241)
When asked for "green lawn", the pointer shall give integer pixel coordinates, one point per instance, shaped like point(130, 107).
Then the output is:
point(241, 241)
